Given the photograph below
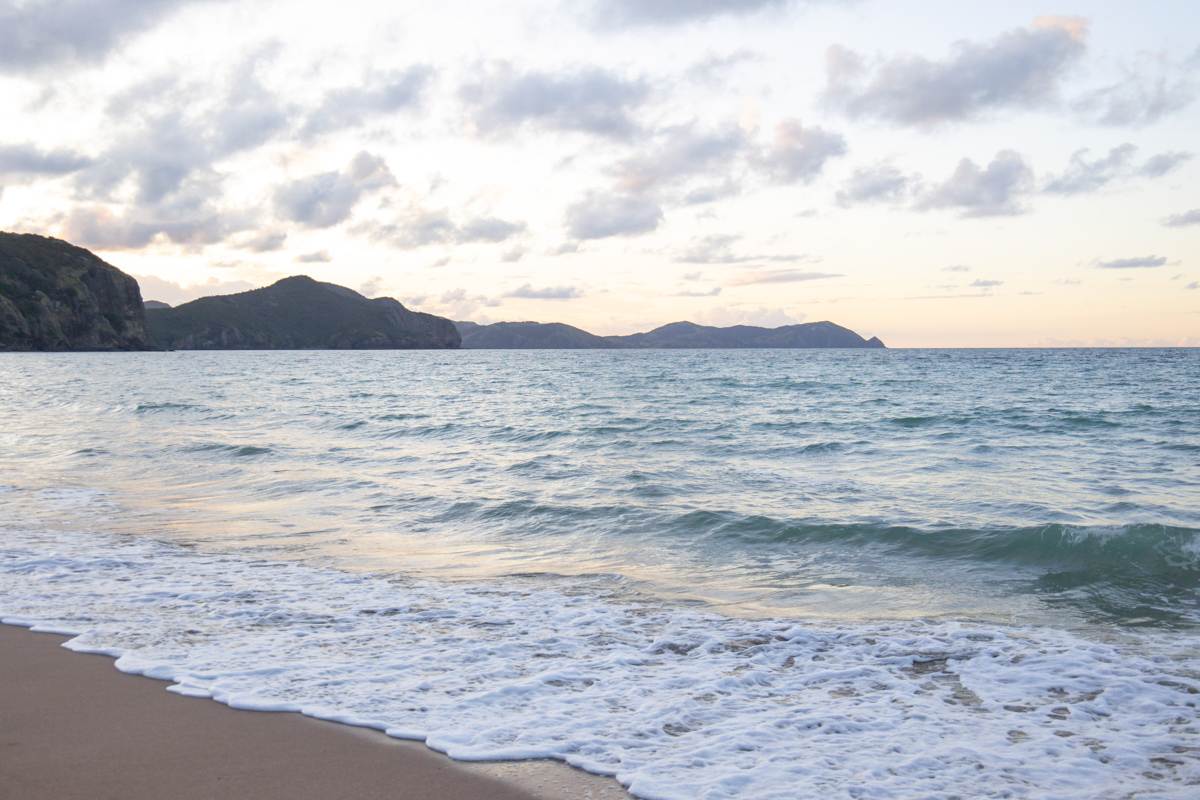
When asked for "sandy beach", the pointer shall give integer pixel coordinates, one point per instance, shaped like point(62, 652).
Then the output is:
point(72, 726)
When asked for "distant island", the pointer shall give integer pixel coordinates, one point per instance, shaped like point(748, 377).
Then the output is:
point(56, 296)
point(676, 335)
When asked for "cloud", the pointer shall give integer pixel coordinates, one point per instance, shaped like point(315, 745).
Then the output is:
point(718, 249)
point(419, 227)
point(327, 198)
point(458, 304)
point(1193, 285)
point(985, 284)
point(384, 93)
point(1084, 175)
point(599, 216)
point(263, 241)
point(187, 216)
point(1184, 219)
point(371, 286)
point(27, 160)
point(680, 154)
point(154, 288)
point(881, 183)
point(39, 34)
point(1087, 175)
point(724, 316)
point(713, 292)
point(528, 292)
point(634, 13)
point(1163, 164)
point(585, 100)
point(1140, 262)
point(780, 276)
point(995, 190)
point(798, 154)
point(1022, 68)
point(160, 167)
point(318, 257)
point(489, 229)
point(713, 69)
point(956, 268)
point(1156, 88)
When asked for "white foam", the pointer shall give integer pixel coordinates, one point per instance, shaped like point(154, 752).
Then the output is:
point(676, 703)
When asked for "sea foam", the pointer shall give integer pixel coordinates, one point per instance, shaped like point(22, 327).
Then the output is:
point(676, 702)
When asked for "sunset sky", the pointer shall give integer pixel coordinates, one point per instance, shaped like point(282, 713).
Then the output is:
point(1014, 174)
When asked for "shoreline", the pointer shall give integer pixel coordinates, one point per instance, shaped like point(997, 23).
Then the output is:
point(73, 726)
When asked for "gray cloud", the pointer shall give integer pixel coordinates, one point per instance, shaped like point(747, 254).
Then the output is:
point(633, 13)
point(780, 276)
point(713, 69)
point(45, 33)
point(1087, 175)
point(1084, 175)
point(599, 216)
point(585, 100)
point(528, 292)
point(1019, 69)
point(1140, 262)
point(995, 190)
point(1154, 89)
point(957, 268)
point(187, 216)
point(263, 241)
point(171, 136)
point(798, 154)
point(1184, 219)
point(1193, 285)
point(489, 229)
point(420, 227)
point(378, 94)
point(325, 199)
point(1163, 164)
point(985, 284)
point(713, 292)
point(881, 183)
point(680, 154)
point(27, 160)
point(318, 257)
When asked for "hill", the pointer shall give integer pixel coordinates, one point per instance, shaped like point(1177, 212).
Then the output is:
point(56, 296)
point(298, 313)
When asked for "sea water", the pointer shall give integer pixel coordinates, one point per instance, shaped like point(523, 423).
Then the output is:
point(710, 574)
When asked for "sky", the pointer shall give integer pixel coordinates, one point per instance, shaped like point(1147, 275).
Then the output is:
point(935, 173)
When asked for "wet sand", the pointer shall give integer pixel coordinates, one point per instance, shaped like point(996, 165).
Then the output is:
point(72, 726)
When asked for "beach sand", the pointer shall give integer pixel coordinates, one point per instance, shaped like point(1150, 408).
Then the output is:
point(72, 726)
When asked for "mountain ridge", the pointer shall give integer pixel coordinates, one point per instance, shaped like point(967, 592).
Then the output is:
point(673, 335)
point(298, 313)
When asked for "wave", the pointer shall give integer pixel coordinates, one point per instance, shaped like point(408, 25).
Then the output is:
point(677, 703)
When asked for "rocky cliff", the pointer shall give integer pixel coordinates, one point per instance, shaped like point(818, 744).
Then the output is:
point(298, 313)
point(55, 296)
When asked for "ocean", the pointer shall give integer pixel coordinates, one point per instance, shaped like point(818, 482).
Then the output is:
point(711, 574)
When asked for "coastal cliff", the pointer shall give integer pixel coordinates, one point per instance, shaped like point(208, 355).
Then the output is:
point(298, 313)
point(56, 296)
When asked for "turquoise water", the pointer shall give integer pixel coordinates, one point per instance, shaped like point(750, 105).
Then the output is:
point(894, 504)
